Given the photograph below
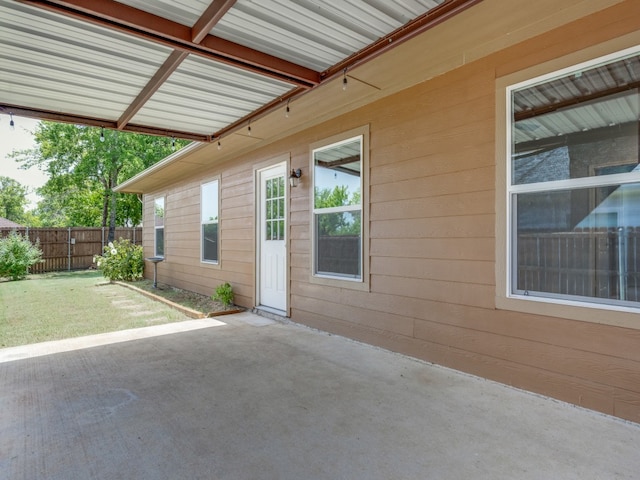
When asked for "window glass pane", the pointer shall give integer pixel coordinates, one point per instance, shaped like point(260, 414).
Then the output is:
point(209, 202)
point(270, 214)
point(281, 208)
point(160, 242)
point(210, 242)
point(270, 189)
point(337, 174)
point(581, 124)
point(581, 242)
point(338, 244)
point(159, 212)
point(280, 229)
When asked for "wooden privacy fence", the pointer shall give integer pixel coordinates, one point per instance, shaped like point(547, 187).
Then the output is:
point(602, 263)
point(71, 248)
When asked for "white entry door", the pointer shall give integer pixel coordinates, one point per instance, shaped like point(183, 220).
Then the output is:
point(272, 289)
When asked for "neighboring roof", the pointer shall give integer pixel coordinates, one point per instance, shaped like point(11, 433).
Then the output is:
point(195, 69)
point(4, 223)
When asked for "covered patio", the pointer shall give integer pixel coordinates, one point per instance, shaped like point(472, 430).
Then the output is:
point(255, 398)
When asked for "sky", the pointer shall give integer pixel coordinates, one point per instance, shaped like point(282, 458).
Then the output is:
point(20, 138)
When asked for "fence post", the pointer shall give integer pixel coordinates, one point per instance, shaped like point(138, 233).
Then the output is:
point(69, 249)
point(102, 241)
point(27, 237)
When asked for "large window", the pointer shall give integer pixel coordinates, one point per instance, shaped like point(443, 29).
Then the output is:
point(574, 184)
point(209, 221)
point(158, 221)
point(337, 209)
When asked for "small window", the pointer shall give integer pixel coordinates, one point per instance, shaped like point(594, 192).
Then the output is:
point(158, 214)
point(209, 221)
point(337, 209)
point(574, 184)
point(274, 217)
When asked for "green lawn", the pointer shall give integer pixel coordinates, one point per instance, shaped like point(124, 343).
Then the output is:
point(62, 305)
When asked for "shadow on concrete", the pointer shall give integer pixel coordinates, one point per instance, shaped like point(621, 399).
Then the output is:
point(255, 399)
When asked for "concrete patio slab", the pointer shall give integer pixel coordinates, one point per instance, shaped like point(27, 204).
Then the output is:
point(245, 399)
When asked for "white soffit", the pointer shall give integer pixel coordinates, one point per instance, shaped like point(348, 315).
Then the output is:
point(60, 64)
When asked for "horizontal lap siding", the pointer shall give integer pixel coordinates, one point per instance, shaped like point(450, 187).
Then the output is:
point(432, 253)
point(182, 267)
point(432, 176)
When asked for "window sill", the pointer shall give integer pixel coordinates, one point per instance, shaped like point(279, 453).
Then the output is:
point(615, 316)
point(340, 283)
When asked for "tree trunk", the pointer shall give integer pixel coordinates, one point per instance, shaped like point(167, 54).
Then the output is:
point(105, 207)
point(113, 196)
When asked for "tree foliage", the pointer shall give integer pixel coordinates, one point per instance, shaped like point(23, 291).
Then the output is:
point(84, 164)
point(13, 200)
point(17, 254)
point(122, 260)
point(337, 223)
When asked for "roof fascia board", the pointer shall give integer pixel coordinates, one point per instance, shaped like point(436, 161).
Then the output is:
point(132, 21)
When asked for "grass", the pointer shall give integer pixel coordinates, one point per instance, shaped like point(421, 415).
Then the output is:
point(55, 306)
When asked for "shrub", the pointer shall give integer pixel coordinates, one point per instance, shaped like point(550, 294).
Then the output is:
point(224, 294)
point(17, 254)
point(122, 260)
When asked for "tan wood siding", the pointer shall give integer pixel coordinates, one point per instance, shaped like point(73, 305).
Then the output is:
point(432, 240)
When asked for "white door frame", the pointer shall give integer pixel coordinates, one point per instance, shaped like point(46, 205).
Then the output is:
point(281, 163)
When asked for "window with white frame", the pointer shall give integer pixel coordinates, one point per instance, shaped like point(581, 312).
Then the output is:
point(337, 209)
point(209, 221)
point(574, 184)
point(158, 222)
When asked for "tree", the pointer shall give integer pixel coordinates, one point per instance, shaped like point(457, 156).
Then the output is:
point(13, 200)
point(344, 223)
point(84, 164)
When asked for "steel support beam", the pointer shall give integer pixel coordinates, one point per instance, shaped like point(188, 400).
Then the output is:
point(132, 21)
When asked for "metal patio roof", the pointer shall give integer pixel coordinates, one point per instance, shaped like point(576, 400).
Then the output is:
point(195, 69)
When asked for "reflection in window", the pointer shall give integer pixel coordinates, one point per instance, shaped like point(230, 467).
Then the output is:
point(338, 209)
point(575, 185)
point(209, 221)
point(158, 214)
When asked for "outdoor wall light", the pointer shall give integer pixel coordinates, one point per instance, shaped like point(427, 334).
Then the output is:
point(102, 134)
point(293, 178)
point(12, 124)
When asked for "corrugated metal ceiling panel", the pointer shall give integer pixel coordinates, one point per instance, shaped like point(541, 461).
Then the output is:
point(185, 12)
point(613, 89)
point(202, 96)
point(104, 62)
point(60, 64)
point(315, 34)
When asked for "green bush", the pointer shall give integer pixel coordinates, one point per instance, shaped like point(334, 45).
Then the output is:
point(122, 260)
point(224, 295)
point(17, 254)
